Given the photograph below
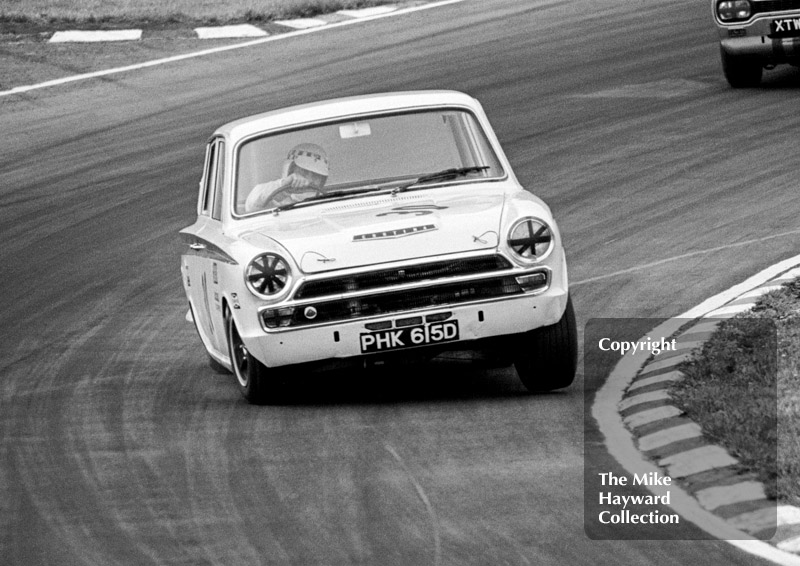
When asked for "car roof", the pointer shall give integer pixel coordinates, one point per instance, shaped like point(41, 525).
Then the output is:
point(343, 107)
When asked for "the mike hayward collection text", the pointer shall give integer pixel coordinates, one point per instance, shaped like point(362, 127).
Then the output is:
point(621, 514)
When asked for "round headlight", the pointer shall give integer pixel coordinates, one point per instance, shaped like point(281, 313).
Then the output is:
point(531, 239)
point(267, 275)
point(733, 10)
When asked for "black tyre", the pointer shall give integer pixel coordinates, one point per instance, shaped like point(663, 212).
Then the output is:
point(546, 358)
point(741, 72)
point(257, 383)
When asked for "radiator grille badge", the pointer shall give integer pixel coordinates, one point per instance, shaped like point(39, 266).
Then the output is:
point(399, 233)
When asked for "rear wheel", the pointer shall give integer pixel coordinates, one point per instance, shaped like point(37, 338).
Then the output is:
point(257, 383)
point(741, 71)
point(546, 358)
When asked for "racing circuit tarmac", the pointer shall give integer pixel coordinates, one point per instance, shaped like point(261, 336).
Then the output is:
point(119, 445)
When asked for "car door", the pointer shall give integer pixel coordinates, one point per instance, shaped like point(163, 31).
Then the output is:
point(200, 259)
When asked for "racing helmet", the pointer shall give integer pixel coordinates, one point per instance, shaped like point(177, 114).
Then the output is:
point(308, 156)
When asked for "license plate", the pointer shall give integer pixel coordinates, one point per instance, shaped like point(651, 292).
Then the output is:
point(785, 27)
point(397, 338)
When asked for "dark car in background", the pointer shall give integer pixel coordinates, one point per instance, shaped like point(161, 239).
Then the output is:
point(754, 35)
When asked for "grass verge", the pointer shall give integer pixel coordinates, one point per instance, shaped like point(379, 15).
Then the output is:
point(743, 389)
point(114, 13)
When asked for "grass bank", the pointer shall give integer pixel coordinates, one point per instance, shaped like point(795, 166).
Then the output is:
point(166, 12)
point(743, 389)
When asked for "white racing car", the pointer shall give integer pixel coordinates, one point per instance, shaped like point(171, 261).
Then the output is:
point(371, 227)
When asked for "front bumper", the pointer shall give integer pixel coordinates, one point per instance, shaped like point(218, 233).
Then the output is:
point(754, 39)
point(476, 321)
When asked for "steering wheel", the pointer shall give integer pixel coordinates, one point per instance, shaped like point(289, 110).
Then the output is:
point(273, 200)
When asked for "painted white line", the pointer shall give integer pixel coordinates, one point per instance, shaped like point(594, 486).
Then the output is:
point(226, 32)
point(206, 52)
point(730, 311)
point(671, 376)
point(367, 12)
point(790, 545)
point(677, 355)
point(648, 266)
point(697, 460)
point(702, 327)
point(717, 496)
point(620, 444)
point(788, 515)
point(301, 23)
point(755, 521)
point(707, 327)
point(634, 400)
point(670, 435)
point(652, 415)
point(755, 293)
point(668, 363)
point(79, 36)
point(790, 275)
point(749, 284)
point(690, 345)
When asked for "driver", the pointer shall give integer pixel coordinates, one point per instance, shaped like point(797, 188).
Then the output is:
point(304, 174)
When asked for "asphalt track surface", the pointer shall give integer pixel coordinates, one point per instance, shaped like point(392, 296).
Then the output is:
point(119, 445)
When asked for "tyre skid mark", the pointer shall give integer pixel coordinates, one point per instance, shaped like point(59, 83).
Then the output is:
point(437, 552)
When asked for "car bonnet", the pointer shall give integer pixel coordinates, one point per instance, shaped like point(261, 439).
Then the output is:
point(385, 228)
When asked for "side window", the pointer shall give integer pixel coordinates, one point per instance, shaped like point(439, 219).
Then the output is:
point(217, 211)
point(209, 175)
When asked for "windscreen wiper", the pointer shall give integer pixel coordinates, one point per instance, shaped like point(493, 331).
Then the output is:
point(326, 196)
point(429, 178)
point(442, 175)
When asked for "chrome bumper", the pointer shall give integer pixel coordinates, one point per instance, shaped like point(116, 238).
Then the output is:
point(752, 39)
point(489, 319)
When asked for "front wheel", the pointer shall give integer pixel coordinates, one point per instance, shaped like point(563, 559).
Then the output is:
point(740, 71)
point(257, 383)
point(546, 358)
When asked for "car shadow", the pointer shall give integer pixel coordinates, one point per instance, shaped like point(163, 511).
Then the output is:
point(782, 77)
point(451, 377)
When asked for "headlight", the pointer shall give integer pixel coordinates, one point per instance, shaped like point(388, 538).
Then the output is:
point(267, 275)
point(733, 10)
point(531, 239)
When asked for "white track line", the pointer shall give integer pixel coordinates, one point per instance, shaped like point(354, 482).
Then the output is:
point(95, 36)
point(682, 256)
point(620, 443)
point(228, 32)
point(302, 23)
point(671, 376)
point(367, 12)
point(205, 52)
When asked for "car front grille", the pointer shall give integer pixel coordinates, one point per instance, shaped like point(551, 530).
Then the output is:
point(402, 289)
point(775, 6)
point(400, 275)
point(407, 300)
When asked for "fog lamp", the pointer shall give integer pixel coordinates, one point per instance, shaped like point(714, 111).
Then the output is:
point(274, 318)
point(532, 282)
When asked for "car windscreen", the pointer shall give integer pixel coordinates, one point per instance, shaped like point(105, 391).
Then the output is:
point(356, 156)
